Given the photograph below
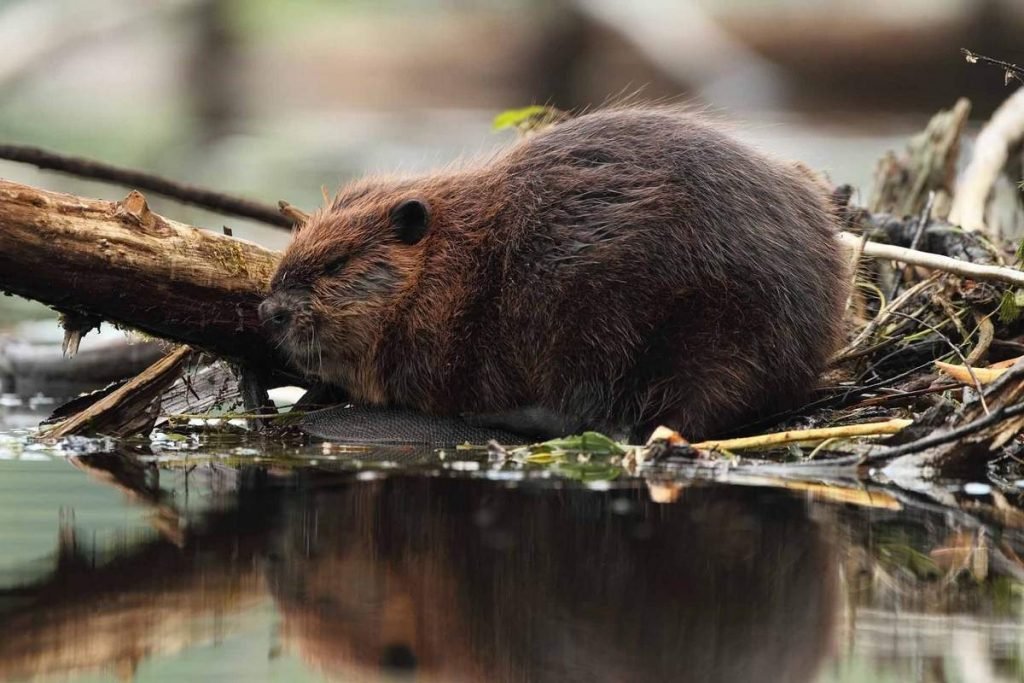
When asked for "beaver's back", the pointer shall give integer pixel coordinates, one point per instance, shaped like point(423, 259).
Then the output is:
point(654, 270)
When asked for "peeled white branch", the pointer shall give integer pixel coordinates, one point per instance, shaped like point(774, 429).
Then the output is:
point(913, 257)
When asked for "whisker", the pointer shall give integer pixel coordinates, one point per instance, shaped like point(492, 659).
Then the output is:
point(320, 353)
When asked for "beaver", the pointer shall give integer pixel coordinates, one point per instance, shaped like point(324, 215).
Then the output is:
point(621, 270)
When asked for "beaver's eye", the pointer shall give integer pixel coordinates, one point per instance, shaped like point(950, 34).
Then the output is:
point(334, 267)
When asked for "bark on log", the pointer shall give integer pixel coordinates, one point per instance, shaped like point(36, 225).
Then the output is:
point(121, 262)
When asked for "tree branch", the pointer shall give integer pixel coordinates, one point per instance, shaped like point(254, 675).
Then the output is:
point(138, 180)
point(1009, 70)
point(975, 271)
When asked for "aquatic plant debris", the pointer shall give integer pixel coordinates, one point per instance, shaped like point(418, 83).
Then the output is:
point(587, 457)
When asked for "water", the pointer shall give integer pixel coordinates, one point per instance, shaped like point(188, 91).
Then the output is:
point(232, 558)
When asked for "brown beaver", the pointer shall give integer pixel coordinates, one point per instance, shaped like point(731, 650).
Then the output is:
point(624, 269)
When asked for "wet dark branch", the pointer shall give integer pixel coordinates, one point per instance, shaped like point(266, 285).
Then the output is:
point(139, 180)
point(1009, 70)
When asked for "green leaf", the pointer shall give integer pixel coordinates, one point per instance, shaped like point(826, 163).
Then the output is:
point(527, 119)
point(593, 443)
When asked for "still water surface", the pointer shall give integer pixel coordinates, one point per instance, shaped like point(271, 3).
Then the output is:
point(244, 560)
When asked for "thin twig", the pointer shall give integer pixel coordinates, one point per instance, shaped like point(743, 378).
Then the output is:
point(1009, 70)
point(885, 454)
point(904, 395)
point(922, 222)
point(840, 398)
point(882, 317)
point(138, 180)
point(956, 350)
point(297, 216)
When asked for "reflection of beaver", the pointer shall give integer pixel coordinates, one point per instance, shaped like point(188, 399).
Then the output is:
point(456, 581)
point(624, 269)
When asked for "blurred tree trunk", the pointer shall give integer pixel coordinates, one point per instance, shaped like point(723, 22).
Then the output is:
point(212, 69)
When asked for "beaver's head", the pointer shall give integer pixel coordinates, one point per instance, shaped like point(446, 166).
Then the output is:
point(341, 282)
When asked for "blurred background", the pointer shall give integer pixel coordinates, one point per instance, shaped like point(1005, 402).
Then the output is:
point(276, 100)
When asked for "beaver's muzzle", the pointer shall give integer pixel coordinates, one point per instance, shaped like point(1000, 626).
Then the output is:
point(276, 311)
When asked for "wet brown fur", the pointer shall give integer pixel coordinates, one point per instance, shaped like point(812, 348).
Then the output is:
point(627, 268)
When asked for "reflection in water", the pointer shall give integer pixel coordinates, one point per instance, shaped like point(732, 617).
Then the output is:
point(460, 581)
point(112, 608)
point(456, 580)
point(363, 572)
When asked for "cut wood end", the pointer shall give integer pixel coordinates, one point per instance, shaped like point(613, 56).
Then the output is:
point(297, 216)
point(135, 210)
point(135, 205)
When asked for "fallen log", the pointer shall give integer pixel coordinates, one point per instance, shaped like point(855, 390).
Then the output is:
point(120, 262)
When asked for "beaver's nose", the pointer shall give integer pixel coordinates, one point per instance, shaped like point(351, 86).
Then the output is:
point(274, 312)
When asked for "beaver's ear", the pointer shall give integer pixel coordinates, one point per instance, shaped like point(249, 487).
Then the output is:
point(410, 220)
